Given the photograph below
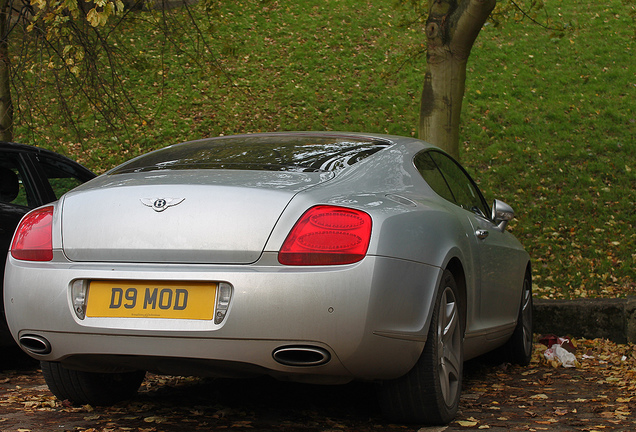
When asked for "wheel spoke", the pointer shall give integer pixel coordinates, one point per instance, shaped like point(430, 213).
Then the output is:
point(448, 320)
point(452, 361)
point(445, 384)
point(527, 324)
point(527, 297)
point(526, 315)
point(449, 357)
point(449, 370)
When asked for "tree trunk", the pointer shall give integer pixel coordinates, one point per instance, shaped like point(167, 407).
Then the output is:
point(6, 102)
point(451, 30)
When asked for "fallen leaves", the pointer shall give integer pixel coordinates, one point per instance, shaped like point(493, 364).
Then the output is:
point(467, 423)
point(155, 419)
point(599, 394)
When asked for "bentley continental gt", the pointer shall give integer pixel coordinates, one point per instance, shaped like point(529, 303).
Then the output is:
point(313, 257)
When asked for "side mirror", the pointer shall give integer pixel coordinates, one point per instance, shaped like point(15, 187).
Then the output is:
point(502, 213)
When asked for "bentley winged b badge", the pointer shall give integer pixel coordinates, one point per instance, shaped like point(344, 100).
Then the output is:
point(160, 204)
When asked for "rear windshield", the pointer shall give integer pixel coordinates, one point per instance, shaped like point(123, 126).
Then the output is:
point(304, 153)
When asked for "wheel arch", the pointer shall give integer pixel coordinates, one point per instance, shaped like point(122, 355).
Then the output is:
point(529, 271)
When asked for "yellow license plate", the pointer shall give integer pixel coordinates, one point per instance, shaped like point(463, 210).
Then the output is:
point(151, 299)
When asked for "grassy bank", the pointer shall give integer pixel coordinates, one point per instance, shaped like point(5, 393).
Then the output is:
point(549, 122)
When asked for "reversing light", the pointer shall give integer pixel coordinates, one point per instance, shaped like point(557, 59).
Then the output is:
point(327, 235)
point(79, 291)
point(223, 297)
point(33, 240)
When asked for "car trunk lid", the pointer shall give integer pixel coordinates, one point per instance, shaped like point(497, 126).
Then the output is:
point(183, 217)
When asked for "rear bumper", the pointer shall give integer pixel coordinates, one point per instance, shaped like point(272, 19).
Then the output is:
point(369, 319)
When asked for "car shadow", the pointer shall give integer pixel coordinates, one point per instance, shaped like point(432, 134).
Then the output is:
point(265, 401)
point(13, 358)
point(264, 398)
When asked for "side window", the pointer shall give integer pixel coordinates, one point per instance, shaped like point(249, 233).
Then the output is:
point(429, 171)
point(461, 185)
point(61, 177)
point(14, 185)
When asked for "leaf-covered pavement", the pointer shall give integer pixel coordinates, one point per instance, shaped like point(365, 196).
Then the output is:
point(597, 395)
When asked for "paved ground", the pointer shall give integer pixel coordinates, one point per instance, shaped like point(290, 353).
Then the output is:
point(599, 395)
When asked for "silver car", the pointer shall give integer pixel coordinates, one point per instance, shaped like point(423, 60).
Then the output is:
point(312, 257)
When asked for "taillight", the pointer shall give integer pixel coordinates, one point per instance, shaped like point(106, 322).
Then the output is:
point(33, 240)
point(327, 235)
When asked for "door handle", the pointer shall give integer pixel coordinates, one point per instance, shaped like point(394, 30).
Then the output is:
point(481, 233)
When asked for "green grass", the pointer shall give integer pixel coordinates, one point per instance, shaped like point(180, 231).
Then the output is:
point(548, 122)
point(549, 118)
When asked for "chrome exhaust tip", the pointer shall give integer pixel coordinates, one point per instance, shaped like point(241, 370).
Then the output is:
point(35, 344)
point(301, 356)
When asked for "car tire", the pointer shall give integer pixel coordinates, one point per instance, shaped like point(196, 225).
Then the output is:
point(429, 393)
point(519, 346)
point(90, 388)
